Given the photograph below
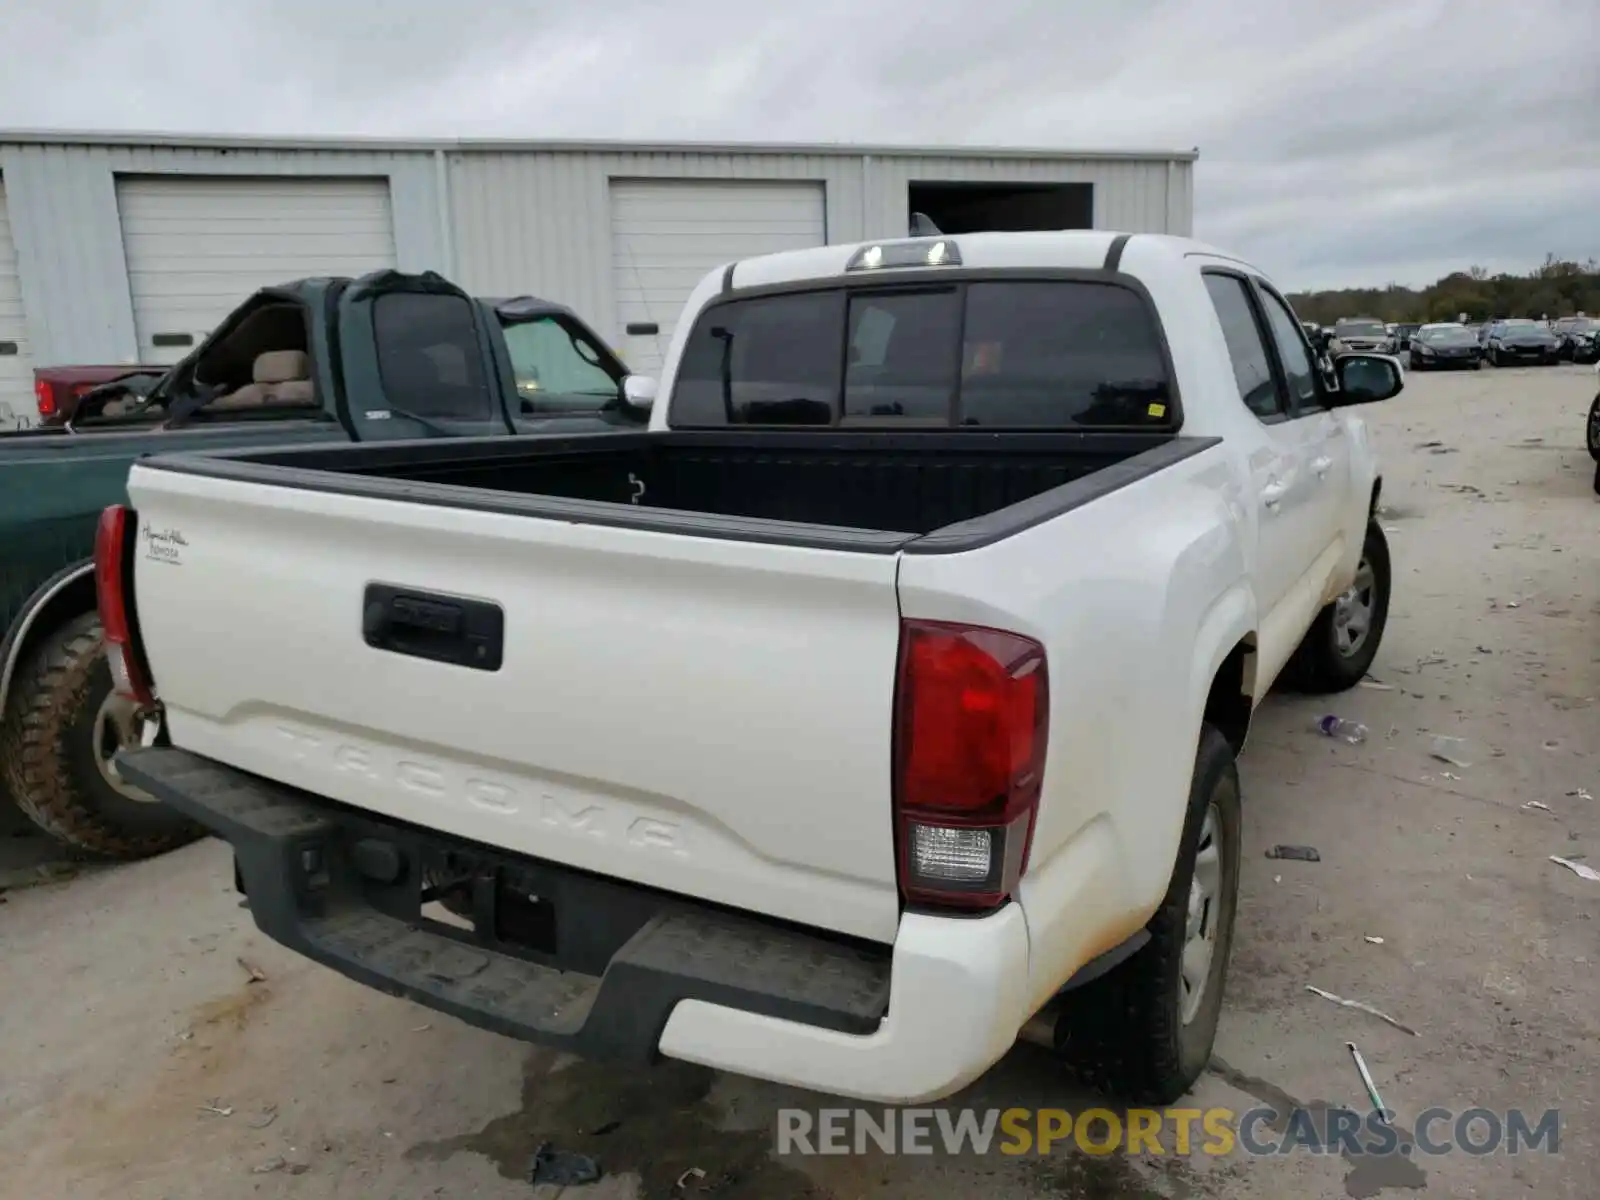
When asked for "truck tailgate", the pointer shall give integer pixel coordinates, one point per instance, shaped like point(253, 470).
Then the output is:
point(709, 717)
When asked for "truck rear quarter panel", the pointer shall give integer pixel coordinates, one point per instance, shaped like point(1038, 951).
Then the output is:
point(1136, 598)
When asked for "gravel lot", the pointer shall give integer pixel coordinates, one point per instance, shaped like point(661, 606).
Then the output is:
point(125, 1011)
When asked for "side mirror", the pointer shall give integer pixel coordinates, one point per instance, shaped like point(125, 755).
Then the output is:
point(639, 392)
point(1366, 378)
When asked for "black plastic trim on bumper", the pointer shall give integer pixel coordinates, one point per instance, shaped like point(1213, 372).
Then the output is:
point(642, 951)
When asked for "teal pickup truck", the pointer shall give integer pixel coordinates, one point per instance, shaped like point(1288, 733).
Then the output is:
point(388, 356)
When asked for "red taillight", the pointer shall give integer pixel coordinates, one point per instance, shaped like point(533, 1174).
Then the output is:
point(44, 395)
point(112, 554)
point(970, 733)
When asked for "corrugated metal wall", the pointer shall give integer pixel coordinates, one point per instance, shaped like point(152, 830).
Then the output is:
point(541, 223)
point(498, 221)
point(64, 220)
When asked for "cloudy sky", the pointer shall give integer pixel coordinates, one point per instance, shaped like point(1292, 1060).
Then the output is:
point(1341, 143)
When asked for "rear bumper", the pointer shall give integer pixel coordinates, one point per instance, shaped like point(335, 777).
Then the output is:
point(606, 969)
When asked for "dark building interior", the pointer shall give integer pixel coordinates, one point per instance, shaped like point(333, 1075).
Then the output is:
point(1007, 207)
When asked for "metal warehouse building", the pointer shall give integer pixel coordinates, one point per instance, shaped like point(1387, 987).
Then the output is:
point(123, 248)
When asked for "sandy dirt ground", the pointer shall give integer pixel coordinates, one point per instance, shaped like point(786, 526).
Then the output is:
point(137, 1059)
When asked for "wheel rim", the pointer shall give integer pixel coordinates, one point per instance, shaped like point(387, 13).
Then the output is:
point(1204, 918)
point(1352, 613)
point(119, 725)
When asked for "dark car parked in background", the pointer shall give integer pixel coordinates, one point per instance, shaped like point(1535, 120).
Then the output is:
point(1361, 334)
point(1580, 339)
point(1444, 346)
point(1520, 340)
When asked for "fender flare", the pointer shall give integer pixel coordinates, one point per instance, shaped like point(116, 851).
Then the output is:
point(1230, 620)
point(28, 618)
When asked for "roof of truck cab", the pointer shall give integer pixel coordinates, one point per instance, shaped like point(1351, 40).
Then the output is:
point(1065, 250)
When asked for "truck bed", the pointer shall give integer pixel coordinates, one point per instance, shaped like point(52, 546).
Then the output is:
point(859, 491)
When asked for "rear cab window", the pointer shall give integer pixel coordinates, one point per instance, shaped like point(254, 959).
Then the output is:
point(429, 358)
point(1008, 353)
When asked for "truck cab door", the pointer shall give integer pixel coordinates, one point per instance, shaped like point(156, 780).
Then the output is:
point(1322, 434)
point(415, 359)
point(1279, 450)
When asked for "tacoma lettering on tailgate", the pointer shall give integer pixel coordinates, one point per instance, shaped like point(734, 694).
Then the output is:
point(566, 810)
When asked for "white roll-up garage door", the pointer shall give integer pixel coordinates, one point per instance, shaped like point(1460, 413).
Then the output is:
point(197, 246)
point(667, 233)
point(16, 371)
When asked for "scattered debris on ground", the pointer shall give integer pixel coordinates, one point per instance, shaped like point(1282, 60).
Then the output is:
point(1366, 1082)
point(1342, 728)
point(1295, 853)
point(562, 1168)
point(1448, 750)
point(256, 974)
point(1362, 1006)
point(278, 1163)
point(1581, 870)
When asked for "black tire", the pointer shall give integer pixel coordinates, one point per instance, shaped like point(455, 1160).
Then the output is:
point(1477, 364)
point(1494, 358)
point(48, 750)
point(1124, 1034)
point(1321, 664)
point(1597, 479)
point(1416, 363)
point(1591, 429)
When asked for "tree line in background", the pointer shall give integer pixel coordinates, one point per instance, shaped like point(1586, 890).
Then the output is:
point(1556, 289)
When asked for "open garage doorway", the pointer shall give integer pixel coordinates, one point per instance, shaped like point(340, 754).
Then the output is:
point(1004, 207)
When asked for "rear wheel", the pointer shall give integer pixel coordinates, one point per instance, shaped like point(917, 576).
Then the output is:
point(1339, 647)
point(1143, 1032)
point(57, 746)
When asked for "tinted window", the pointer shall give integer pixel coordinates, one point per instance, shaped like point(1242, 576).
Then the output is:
point(1298, 367)
point(558, 369)
point(768, 361)
point(1041, 355)
point(428, 356)
point(901, 361)
point(1359, 329)
point(1252, 368)
point(1057, 355)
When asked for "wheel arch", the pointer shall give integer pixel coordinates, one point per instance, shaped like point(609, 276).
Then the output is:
point(67, 594)
point(1230, 701)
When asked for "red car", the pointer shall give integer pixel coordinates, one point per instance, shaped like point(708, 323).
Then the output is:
point(56, 390)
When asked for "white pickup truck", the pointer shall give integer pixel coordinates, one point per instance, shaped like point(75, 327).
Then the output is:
point(875, 705)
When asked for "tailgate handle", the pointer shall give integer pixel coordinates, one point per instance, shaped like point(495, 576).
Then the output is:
point(446, 629)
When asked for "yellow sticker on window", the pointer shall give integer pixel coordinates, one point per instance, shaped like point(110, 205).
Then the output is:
point(1156, 410)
